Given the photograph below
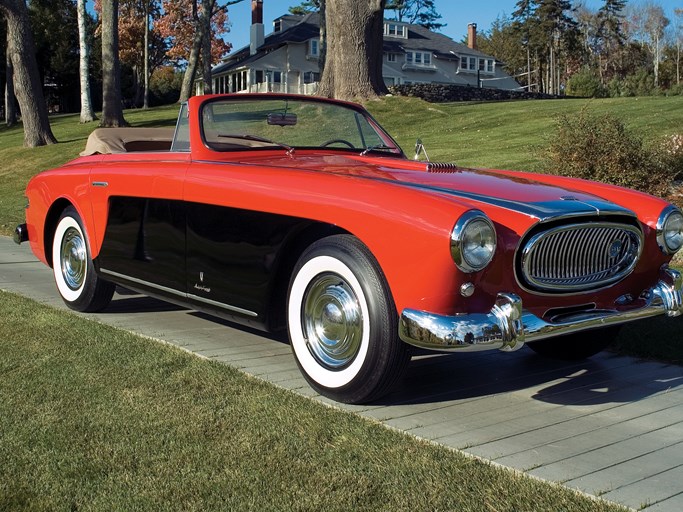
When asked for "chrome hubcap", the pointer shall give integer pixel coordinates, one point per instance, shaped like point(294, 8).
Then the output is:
point(73, 259)
point(332, 321)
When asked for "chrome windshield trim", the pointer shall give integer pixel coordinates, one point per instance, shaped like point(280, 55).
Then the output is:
point(178, 293)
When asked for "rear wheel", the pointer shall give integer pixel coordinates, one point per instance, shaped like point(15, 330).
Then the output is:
point(580, 345)
point(342, 322)
point(78, 284)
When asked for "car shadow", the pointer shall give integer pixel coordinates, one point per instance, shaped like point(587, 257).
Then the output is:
point(605, 378)
point(438, 378)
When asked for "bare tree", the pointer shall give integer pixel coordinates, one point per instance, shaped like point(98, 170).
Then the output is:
point(353, 63)
point(87, 112)
point(145, 100)
point(649, 24)
point(112, 109)
point(27, 85)
point(678, 41)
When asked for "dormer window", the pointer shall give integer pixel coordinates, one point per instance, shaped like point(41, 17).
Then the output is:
point(419, 59)
point(277, 25)
point(395, 30)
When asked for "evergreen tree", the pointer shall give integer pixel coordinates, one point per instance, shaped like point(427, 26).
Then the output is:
point(610, 36)
point(418, 12)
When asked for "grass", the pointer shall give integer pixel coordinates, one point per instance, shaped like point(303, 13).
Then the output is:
point(95, 418)
point(500, 135)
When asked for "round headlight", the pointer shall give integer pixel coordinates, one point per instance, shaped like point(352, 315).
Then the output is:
point(473, 241)
point(670, 230)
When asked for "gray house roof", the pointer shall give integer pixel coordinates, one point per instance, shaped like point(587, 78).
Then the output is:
point(308, 27)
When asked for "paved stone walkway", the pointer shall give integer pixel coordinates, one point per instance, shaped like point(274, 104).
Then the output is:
point(611, 426)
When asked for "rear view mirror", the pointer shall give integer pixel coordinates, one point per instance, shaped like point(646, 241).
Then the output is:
point(282, 119)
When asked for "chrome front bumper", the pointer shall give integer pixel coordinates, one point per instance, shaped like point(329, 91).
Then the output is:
point(508, 326)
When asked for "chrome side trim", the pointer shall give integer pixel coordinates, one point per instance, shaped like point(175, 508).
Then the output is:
point(178, 293)
point(507, 326)
point(221, 305)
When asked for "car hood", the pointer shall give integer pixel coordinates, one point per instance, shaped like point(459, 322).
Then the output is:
point(520, 194)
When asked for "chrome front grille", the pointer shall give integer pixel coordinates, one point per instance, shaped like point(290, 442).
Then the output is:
point(579, 257)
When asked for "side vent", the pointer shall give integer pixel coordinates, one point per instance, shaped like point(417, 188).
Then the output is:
point(441, 167)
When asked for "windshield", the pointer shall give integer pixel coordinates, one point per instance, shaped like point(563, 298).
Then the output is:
point(234, 124)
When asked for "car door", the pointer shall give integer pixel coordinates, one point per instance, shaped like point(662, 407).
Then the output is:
point(140, 196)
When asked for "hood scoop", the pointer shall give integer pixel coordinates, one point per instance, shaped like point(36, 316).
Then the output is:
point(441, 167)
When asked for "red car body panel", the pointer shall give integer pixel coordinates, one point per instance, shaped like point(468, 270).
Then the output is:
point(401, 212)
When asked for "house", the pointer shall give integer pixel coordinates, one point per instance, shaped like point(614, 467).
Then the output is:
point(286, 60)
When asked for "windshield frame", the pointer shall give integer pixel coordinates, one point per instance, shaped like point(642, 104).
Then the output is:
point(395, 150)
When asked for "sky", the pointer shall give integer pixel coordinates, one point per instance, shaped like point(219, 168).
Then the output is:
point(455, 13)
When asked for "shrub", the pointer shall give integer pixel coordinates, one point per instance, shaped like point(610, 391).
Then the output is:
point(640, 83)
point(585, 84)
point(600, 148)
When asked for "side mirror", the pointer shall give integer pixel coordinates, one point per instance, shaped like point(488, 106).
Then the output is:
point(419, 148)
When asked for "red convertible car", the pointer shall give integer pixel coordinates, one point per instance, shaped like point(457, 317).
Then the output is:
point(301, 213)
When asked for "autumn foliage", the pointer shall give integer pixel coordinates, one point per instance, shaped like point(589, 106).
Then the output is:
point(173, 22)
point(176, 25)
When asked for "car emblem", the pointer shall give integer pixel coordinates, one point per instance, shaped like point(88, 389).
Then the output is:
point(615, 248)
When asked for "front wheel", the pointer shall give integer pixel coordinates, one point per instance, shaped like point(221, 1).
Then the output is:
point(580, 345)
point(78, 284)
point(342, 322)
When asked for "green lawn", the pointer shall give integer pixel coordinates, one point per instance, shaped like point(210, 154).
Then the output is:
point(496, 135)
point(94, 418)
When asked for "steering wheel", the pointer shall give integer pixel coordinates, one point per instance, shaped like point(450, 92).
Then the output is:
point(337, 141)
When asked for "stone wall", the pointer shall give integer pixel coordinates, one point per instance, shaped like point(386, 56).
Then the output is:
point(441, 93)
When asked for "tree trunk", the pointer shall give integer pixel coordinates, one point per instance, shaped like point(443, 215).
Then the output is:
point(191, 69)
point(145, 99)
point(112, 110)
point(10, 98)
point(27, 86)
point(322, 54)
point(354, 35)
point(87, 112)
point(205, 34)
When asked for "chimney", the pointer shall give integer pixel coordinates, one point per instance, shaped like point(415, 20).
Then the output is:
point(472, 36)
point(256, 36)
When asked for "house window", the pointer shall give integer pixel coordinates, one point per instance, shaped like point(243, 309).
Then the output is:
point(391, 57)
point(482, 65)
point(490, 65)
point(463, 63)
point(311, 77)
point(421, 59)
point(277, 25)
point(389, 81)
point(395, 30)
point(314, 47)
point(473, 63)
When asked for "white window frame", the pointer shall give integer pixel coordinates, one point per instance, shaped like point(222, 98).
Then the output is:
point(395, 30)
point(314, 47)
point(419, 59)
point(392, 57)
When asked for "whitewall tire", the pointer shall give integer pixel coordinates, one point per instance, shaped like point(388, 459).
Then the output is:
point(343, 323)
point(78, 284)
